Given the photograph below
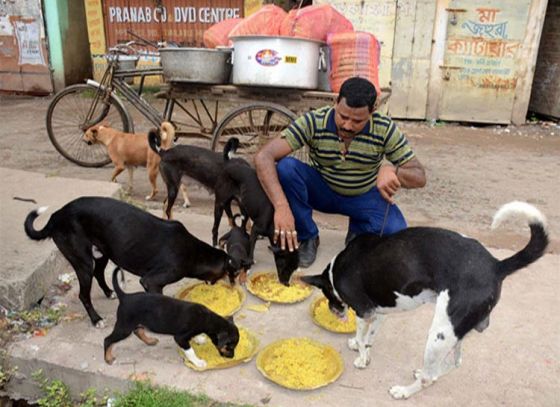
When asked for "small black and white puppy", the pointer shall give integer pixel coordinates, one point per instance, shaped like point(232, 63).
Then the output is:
point(237, 245)
point(160, 314)
point(90, 231)
point(379, 275)
point(238, 181)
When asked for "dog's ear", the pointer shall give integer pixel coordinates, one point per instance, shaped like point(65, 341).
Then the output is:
point(91, 133)
point(318, 281)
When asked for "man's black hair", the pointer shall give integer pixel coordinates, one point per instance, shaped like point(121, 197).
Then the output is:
point(358, 92)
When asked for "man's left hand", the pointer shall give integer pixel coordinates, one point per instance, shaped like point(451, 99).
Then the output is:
point(388, 183)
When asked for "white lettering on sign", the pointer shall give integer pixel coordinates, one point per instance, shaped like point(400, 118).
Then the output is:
point(184, 14)
point(208, 15)
point(216, 14)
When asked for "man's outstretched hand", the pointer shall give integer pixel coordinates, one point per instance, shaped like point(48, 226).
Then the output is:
point(285, 234)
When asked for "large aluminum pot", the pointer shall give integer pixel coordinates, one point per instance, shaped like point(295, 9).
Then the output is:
point(275, 61)
point(202, 65)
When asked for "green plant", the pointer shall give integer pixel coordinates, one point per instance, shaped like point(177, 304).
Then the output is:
point(56, 392)
point(6, 372)
point(37, 315)
point(89, 398)
point(144, 394)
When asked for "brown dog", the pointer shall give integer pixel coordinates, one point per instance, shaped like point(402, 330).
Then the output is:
point(128, 150)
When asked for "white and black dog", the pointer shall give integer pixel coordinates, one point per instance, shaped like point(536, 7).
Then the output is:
point(378, 275)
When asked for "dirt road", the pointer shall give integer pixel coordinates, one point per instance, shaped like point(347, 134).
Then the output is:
point(471, 171)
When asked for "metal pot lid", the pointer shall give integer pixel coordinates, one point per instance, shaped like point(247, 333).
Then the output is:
point(211, 50)
point(274, 37)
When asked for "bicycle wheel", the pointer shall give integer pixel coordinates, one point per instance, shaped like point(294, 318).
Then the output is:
point(253, 124)
point(66, 116)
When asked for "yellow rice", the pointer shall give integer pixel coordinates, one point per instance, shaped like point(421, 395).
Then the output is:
point(300, 363)
point(223, 299)
point(244, 351)
point(323, 316)
point(267, 287)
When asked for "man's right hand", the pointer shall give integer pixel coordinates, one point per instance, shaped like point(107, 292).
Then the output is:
point(285, 233)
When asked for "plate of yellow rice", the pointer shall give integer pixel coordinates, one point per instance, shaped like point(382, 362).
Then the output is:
point(300, 363)
point(266, 286)
point(322, 316)
point(221, 298)
point(244, 352)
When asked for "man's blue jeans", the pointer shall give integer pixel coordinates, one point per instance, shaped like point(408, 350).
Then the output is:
point(306, 190)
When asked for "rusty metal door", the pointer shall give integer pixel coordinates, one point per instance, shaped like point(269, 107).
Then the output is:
point(480, 58)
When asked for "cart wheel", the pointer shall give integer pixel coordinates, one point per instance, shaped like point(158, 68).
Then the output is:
point(65, 118)
point(253, 124)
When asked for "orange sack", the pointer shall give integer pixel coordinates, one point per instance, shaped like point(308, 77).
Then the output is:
point(217, 35)
point(315, 22)
point(353, 54)
point(266, 21)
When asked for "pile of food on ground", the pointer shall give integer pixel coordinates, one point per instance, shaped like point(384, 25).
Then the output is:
point(266, 286)
point(300, 363)
point(322, 316)
point(244, 352)
point(221, 298)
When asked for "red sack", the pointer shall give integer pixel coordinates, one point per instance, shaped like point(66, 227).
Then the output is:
point(315, 22)
point(353, 54)
point(266, 21)
point(217, 35)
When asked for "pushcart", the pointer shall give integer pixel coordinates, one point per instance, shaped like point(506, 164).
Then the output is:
point(254, 114)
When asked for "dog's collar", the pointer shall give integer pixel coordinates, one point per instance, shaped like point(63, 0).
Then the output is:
point(331, 279)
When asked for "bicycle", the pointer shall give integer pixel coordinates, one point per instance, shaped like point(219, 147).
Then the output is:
point(78, 107)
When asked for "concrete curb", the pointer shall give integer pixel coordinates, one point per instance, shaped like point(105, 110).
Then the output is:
point(29, 267)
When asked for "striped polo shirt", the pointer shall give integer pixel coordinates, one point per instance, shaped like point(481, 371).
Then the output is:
point(356, 172)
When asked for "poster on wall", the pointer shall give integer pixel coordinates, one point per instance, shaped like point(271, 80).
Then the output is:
point(28, 34)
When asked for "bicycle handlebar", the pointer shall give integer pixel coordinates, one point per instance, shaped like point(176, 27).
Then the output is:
point(124, 48)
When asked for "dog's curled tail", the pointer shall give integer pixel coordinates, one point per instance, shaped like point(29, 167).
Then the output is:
point(231, 148)
point(116, 286)
point(167, 131)
point(154, 140)
point(31, 231)
point(539, 236)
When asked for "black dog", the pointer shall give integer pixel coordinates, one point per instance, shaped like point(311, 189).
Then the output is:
point(237, 245)
point(198, 163)
point(90, 231)
point(165, 315)
point(240, 182)
point(375, 276)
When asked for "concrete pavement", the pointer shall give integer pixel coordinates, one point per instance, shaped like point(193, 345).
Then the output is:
point(515, 362)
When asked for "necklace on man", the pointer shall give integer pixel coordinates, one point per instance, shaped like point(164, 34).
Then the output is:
point(343, 149)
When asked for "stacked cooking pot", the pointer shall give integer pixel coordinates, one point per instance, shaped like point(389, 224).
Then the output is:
point(256, 60)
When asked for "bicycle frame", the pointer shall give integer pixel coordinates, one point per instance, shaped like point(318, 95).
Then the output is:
point(116, 80)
